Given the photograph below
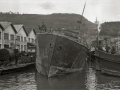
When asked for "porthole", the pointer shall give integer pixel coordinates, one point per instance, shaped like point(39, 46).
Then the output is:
point(59, 47)
point(51, 45)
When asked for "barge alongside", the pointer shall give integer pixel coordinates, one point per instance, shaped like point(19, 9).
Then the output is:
point(108, 63)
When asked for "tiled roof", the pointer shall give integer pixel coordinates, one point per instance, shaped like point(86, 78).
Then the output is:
point(18, 27)
point(1, 27)
point(29, 30)
point(5, 24)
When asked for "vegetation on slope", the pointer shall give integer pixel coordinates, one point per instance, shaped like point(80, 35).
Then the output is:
point(56, 21)
point(110, 29)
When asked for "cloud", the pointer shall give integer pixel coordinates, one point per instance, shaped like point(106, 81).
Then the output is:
point(47, 6)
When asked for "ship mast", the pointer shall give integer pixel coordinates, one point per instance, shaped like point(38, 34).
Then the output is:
point(81, 20)
point(97, 31)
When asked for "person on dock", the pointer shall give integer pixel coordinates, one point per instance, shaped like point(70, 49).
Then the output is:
point(107, 48)
point(43, 27)
point(100, 47)
point(113, 50)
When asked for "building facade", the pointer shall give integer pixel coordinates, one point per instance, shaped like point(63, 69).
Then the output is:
point(16, 36)
point(31, 40)
point(21, 38)
point(32, 36)
point(7, 35)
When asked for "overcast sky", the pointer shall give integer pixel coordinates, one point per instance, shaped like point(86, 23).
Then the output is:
point(104, 10)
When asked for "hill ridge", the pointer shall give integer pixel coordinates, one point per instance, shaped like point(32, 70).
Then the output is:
point(54, 20)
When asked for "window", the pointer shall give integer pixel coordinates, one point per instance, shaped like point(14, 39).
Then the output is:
point(18, 47)
point(12, 37)
point(0, 35)
point(24, 39)
point(6, 36)
point(18, 38)
point(32, 40)
point(25, 48)
point(21, 39)
point(29, 39)
point(21, 47)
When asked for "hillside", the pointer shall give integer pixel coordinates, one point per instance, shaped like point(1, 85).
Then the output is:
point(110, 29)
point(55, 21)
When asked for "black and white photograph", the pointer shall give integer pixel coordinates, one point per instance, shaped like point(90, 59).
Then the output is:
point(59, 45)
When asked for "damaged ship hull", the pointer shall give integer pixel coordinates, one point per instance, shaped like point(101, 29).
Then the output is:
point(58, 55)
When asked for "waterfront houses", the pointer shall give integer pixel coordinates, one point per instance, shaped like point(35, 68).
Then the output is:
point(8, 33)
point(16, 36)
point(31, 36)
point(31, 40)
point(21, 37)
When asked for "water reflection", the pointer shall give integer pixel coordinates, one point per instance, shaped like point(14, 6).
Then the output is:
point(89, 79)
point(71, 81)
point(18, 81)
point(106, 82)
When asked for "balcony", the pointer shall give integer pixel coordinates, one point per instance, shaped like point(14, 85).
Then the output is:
point(31, 45)
point(12, 41)
point(6, 41)
point(19, 43)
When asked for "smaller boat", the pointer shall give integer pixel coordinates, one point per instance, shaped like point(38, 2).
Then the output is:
point(107, 63)
point(106, 59)
point(15, 68)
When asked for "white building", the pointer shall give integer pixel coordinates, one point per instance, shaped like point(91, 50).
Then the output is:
point(32, 36)
point(31, 40)
point(8, 33)
point(21, 37)
point(16, 36)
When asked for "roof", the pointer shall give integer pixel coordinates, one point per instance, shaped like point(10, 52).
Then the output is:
point(29, 30)
point(6, 24)
point(34, 31)
point(18, 27)
point(1, 27)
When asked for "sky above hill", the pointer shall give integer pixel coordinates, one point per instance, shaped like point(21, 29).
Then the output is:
point(104, 10)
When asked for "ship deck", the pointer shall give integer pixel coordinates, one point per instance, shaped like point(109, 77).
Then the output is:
point(79, 41)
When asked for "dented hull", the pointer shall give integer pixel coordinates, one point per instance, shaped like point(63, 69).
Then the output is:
point(58, 55)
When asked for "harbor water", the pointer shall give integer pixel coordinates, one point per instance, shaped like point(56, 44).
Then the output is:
point(30, 79)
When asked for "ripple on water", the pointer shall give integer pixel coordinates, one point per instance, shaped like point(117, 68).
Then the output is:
point(32, 80)
point(18, 81)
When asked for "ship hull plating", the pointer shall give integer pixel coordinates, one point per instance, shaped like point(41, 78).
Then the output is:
point(58, 55)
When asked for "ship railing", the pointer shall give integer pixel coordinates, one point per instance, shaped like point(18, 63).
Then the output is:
point(77, 40)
